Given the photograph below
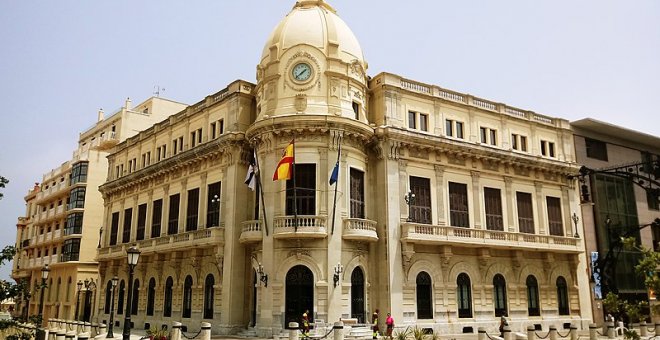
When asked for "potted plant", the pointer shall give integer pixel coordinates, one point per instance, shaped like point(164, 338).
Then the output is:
point(157, 334)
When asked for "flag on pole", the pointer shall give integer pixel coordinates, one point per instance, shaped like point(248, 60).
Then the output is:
point(335, 174)
point(251, 176)
point(284, 167)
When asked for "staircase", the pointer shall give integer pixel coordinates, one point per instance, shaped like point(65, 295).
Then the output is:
point(248, 333)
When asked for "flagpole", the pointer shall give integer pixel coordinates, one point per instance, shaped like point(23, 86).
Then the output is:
point(295, 198)
point(334, 201)
point(261, 189)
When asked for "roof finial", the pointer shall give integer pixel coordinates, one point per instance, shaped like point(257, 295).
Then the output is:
point(310, 3)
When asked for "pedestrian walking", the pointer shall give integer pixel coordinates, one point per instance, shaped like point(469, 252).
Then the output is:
point(374, 323)
point(390, 325)
point(305, 323)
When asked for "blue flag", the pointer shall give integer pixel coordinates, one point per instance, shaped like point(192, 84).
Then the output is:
point(335, 174)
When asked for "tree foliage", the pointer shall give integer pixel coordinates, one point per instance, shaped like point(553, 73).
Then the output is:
point(3, 182)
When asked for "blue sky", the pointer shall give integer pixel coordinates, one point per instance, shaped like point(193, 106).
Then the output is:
point(60, 61)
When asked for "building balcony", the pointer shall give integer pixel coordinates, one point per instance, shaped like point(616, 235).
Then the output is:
point(357, 229)
point(203, 238)
point(251, 232)
point(58, 190)
point(467, 237)
point(107, 141)
point(288, 227)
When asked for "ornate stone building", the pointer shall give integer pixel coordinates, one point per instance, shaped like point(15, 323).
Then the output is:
point(451, 210)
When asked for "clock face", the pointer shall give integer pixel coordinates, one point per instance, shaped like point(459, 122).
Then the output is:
point(301, 72)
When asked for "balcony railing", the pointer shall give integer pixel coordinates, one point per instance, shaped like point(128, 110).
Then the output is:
point(302, 227)
point(357, 229)
point(434, 234)
point(193, 239)
point(251, 232)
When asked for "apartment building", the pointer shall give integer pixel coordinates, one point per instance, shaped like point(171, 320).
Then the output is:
point(64, 214)
point(451, 210)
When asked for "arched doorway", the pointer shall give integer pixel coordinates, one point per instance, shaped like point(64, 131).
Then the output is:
point(253, 309)
point(357, 295)
point(299, 295)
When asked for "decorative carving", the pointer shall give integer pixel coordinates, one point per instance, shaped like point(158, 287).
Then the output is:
point(489, 164)
point(357, 69)
point(301, 102)
point(298, 253)
point(521, 171)
point(456, 159)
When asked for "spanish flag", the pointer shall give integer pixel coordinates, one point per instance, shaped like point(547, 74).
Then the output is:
point(284, 167)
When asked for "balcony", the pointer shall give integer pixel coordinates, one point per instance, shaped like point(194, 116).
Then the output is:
point(251, 232)
point(108, 140)
point(357, 229)
point(467, 237)
point(203, 238)
point(287, 227)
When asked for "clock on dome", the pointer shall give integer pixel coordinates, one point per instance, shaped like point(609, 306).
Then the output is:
point(301, 72)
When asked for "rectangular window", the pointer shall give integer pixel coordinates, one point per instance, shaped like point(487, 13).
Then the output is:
point(70, 250)
point(192, 210)
point(596, 149)
point(173, 220)
point(554, 216)
point(128, 221)
point(488, 136)
point(523, 143)
point(525, 212)
point(164, 149)
point(199, 136)
point(356, 110)
point(484, 135)
point(148, 157)
point(544, 151)
point(551, 149)
point(493, 205)
point(412, 120)
point(459, 130)
point(193, 139)
point(305, 191)
point(514, 141)
point(77, 198)
point(213, 205)
point(493, 137)
point(458, 205)
point(79, 173)
point(141, 221)
point(180, 143)
point(424, 122)
point(420, 208)
point(213, 132)
point(114, 228)
point(652, 201)
point(158, 154)
point(156, 218)
point(175, 144)
point(357, 194)
point(144, 160)
point(221, 126)
point(74, 223)
point(449, 128)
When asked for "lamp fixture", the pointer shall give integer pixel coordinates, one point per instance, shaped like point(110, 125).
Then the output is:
point(338, 270)
point(263, 277)
point(409, 198)
point(576, 219)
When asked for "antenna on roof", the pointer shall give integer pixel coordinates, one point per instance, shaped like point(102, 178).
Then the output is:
point(157, 90)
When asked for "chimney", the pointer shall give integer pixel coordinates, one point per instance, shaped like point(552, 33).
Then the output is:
point(129, 104)
point(101, 115)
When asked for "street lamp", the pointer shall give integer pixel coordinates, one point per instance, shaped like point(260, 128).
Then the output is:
point(79, 284)
point(338, 270)
point(114, 281)
point(133, 255)
point(410, 198)
point(44, 275)
point(90, 286)
point(576, 219)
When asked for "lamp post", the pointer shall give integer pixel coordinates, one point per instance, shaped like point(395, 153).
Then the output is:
point(114, 281)
point(79, 284)
point(90, 286)
point(263, 277)
point(133, 255)
point(410, 198)
point(576, 219)
point(41, 333)
point(44, 275)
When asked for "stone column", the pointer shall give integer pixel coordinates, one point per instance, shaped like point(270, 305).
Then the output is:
point(510, 202)
point(476, 199)
point(203, 201)
point(566, 207)
point(440, 190)
point(540, 209)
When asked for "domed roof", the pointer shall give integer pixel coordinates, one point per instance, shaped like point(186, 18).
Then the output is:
point(315, 23)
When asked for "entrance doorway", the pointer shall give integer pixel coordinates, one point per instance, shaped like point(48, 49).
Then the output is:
point(299, 295)
point(357, 295)
point(253, 312)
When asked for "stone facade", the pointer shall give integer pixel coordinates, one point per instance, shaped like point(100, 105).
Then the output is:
point(488, 231)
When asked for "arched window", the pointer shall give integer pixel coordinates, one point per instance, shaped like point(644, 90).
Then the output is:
point(464, 296)
point(209, 296)
point(120, 297)
point(187, 296)
point(424, 300)
point(499, 295)
point(151, 296)
point(108, 297)
point(562, 296)
point(136, 297)
point(59, 285)
point(167, 308)
point(532, 296)
point(50, 289)
point(68, 289)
